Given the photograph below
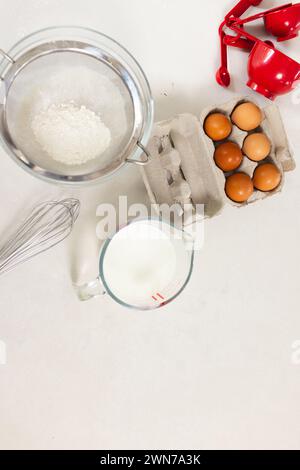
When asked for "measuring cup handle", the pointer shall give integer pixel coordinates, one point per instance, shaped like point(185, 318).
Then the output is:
point(90, 290)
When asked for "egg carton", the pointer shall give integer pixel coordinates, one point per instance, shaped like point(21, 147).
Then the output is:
point(193, 160)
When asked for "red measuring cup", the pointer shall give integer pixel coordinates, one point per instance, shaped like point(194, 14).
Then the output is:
point(282, 22)
point(271, 72)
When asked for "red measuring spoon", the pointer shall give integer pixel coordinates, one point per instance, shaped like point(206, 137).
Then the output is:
point(223, 75)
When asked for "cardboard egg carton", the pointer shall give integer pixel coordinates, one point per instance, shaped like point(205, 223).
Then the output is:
point(193, 160)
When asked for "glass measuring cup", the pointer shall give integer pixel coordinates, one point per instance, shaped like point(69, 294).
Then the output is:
point(146, 264)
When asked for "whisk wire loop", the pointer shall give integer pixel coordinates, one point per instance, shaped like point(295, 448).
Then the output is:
point(48, 224)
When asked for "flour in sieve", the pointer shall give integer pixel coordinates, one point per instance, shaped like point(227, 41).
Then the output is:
point(70, 134)
point(63, 82)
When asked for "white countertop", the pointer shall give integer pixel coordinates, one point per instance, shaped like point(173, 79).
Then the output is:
point(212, 370)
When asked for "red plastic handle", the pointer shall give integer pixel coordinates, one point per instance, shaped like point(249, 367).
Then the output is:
point(237, 41)
point(223, 47)
point(241, 8)
point(262, 14)
point(242, 33)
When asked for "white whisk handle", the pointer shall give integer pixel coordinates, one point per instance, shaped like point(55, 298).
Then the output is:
point(90, 290)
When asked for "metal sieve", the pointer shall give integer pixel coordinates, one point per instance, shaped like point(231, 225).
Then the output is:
point(82, 66)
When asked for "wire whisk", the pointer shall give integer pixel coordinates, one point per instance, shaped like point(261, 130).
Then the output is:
point(48, 224)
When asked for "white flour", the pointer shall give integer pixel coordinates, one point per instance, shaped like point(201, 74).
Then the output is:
point(70, 134)
point(67, 78)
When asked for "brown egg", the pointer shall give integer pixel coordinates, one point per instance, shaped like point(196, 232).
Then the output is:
point(228, 156)
point(266, 177)
point(257, 146)
point(217, 126)
point(239, 187)
point(247, 116)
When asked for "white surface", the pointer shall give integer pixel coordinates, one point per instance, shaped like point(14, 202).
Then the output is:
point(212, 370)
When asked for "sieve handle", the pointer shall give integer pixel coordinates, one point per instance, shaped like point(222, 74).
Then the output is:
point(140, 162)
point(7, 57)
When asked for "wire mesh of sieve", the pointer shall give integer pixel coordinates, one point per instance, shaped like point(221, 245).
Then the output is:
point(103, 78)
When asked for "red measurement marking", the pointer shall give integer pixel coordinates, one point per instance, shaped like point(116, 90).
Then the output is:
point(158, 295)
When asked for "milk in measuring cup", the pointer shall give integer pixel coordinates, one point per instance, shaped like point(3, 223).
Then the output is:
point(140, 261)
